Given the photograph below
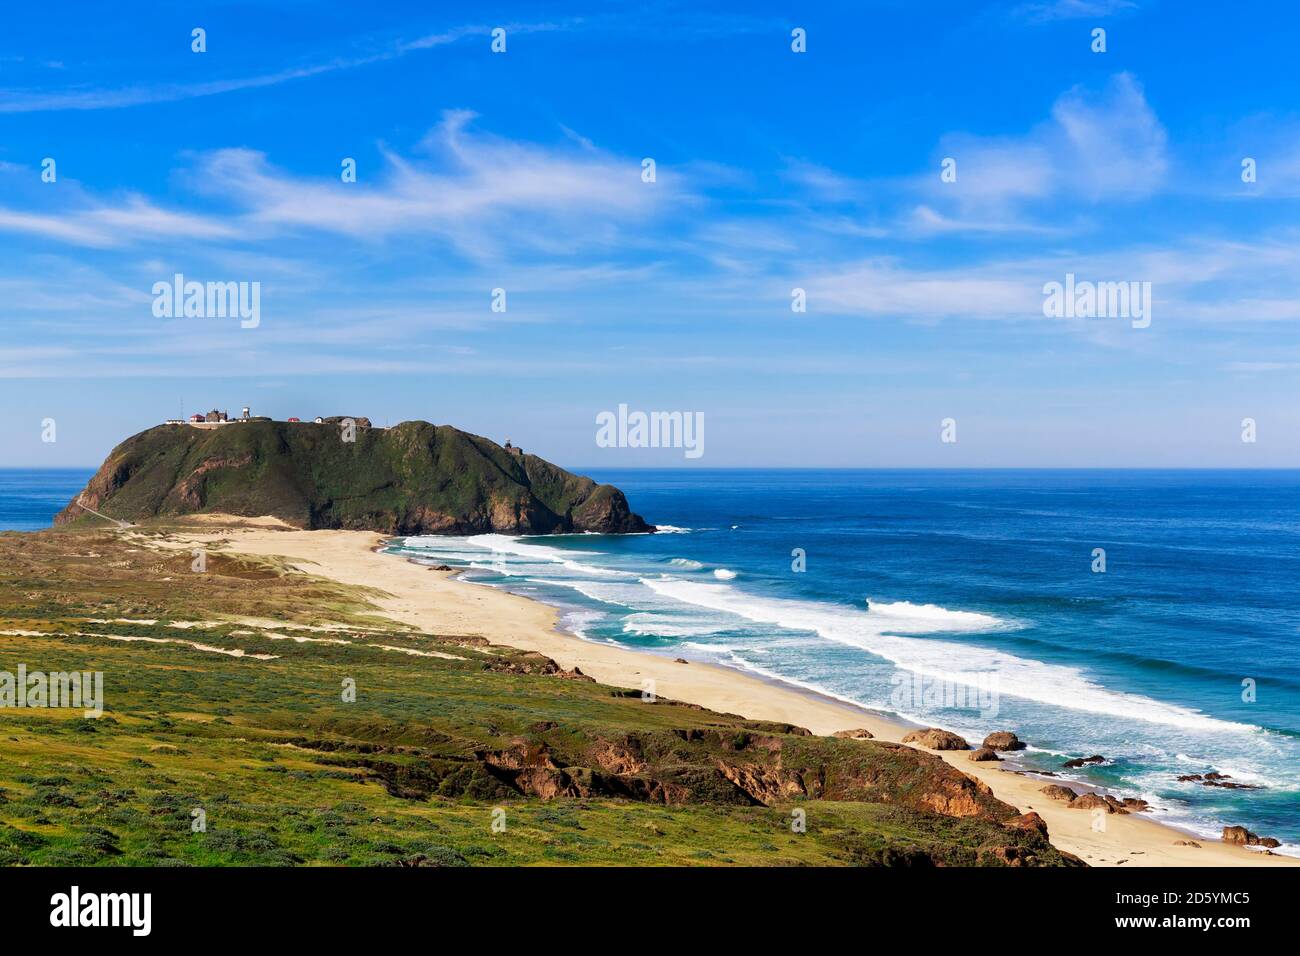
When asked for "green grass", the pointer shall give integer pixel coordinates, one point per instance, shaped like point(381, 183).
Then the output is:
point(289, 773)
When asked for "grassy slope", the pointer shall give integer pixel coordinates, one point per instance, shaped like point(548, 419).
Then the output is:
point(290, 774)
point(413, 477)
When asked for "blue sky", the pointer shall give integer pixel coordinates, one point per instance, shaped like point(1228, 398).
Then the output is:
point(775, 170)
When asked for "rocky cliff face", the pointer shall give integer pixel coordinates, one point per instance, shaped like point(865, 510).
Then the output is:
point(414, 478)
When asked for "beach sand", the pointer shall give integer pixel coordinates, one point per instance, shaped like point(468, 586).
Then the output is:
point(435, 603)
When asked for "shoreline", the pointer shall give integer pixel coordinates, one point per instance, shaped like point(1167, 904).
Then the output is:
point(437, 602)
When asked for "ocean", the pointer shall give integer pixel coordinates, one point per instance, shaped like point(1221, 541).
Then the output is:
point(974, 600)
point(31, 497)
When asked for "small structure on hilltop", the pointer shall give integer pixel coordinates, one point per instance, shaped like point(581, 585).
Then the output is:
point(512, 449)
point(216, 417)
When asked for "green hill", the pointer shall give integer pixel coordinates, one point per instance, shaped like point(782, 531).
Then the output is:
point(414, 478)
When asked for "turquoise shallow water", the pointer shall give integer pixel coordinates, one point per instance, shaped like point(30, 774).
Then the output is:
point(960, 598)
point(969, 599)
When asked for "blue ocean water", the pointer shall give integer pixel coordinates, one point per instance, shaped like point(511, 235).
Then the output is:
point(31, 497)
point(966, 599)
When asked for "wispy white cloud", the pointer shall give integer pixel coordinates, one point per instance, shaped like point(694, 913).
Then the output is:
point(1049, 10)
point(105, 226)
point(481, 193)
point(83, 98)
point(1097, 145)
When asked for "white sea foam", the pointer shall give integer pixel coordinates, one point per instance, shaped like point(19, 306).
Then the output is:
point(724, 574)
point(877, 631)
point(579, 621)
point(504, 545)
point(686, 563)
point(648, 624)
point(709, 648)
point(882, 629)
point(672, 529)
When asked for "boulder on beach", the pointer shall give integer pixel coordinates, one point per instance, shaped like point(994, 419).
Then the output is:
point(984, 753)
point(1187, 843)
point(858, 734)
point(932, 738)
point(1092, 801)
point(1115, 803)
point(1054, 791)
point(1003, 740)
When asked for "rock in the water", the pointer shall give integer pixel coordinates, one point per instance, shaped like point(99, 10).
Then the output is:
point(1243, 837)
point(1083, 761)
point(1003, 740)
point(984, 753)
point(858, 734)
point(1055, 791)
point(932, 738)
point(1215, 779)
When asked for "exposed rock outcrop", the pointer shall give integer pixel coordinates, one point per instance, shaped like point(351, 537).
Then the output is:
point(1093, 801)
point(1215, 779)
point(1003, 740)
point(1029, 821)
point(1083, 761)
point(1243, 837)
point(933, 738)
point(1056, 792)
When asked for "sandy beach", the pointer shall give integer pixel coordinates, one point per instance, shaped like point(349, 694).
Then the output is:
point(435, 603)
